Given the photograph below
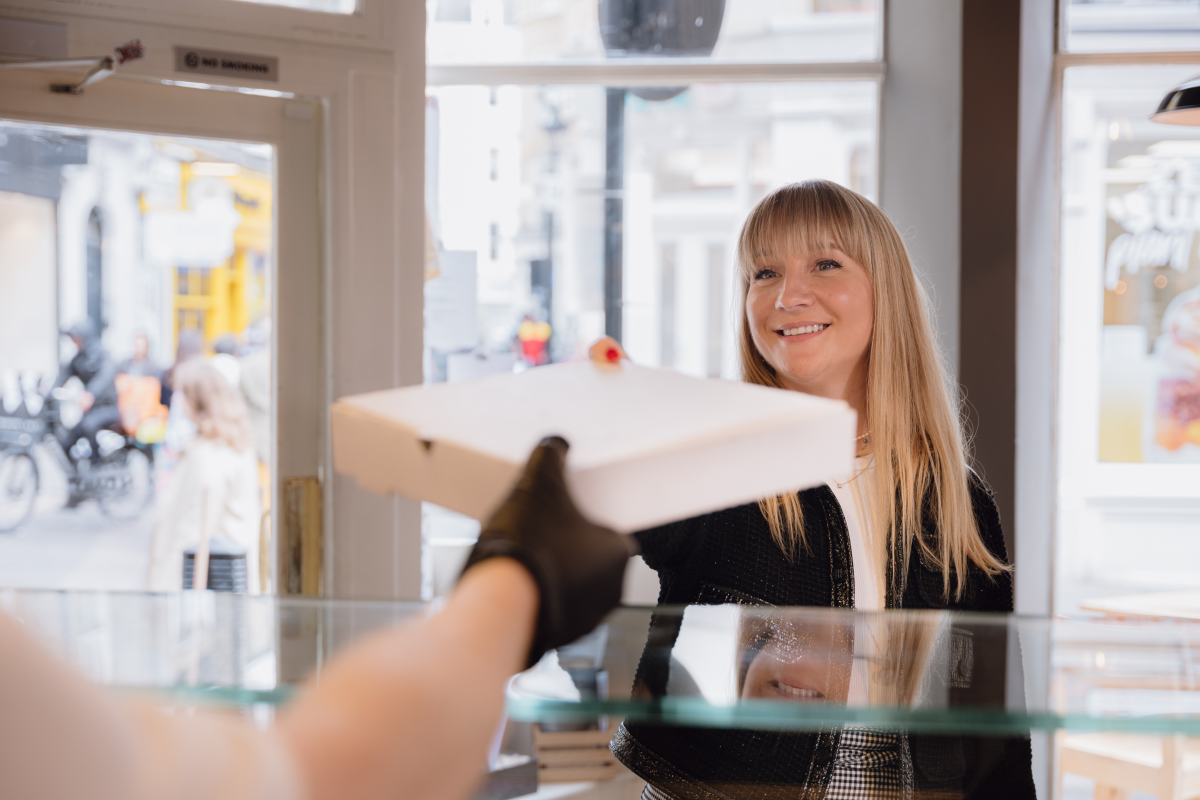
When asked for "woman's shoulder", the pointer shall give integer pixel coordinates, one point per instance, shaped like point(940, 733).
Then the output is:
point(734, 533)
point(666, 546)
point(987, 515)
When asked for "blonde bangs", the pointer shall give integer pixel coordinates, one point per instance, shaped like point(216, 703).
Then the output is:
point(787, 223)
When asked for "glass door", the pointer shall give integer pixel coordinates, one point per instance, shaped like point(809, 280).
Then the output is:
point(139, 313)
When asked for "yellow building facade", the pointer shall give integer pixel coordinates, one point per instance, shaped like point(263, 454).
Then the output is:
point(231, 297)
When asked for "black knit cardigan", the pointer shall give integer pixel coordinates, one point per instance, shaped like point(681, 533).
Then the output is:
point(730, 557)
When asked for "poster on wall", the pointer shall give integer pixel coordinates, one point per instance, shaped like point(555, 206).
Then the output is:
point(1150, 374)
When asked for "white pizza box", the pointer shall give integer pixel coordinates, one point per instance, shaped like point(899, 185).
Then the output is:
point(648, 446)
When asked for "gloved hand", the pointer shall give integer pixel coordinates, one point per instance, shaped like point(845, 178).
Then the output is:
point(577, 565)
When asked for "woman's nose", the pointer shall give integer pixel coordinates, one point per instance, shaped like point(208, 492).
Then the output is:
point(794, 292)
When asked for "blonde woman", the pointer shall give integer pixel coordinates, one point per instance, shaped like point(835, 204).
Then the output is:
point(830, 305)
point(213, 492)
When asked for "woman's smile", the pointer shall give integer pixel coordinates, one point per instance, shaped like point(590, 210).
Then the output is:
point(793, 301)
point(789, 692)
point(802, 330)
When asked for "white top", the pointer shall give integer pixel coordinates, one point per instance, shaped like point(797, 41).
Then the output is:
point(214, 485)
point(868, 584)
point(867, 589)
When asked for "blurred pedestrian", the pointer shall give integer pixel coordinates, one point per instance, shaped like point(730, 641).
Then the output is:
point(93, 366)
point(534, 336)
point(139, 393)
point(139, 364)
point(180, 428)
point(225, 358)
point(213, 492)
point(189, 346)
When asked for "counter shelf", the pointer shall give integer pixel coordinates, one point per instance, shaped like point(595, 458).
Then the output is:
point(724, 666)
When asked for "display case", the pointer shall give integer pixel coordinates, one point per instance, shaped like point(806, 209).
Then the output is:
point(712, 666)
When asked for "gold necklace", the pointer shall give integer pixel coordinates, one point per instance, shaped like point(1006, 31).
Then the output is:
point(866, 441)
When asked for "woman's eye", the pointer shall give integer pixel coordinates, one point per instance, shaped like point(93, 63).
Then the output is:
point(828, 264)
point(765, 273)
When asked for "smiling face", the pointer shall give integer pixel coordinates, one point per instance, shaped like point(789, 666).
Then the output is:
point(810, 314)
point(803, 660)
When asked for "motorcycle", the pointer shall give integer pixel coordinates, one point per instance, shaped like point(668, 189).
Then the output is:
point(120, 477)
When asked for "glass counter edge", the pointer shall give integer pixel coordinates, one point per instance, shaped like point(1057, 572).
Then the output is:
point(693, 712)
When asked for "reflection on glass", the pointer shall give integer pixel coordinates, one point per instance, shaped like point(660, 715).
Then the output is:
point(1112, 26)
point(825, 675)
point(727, 654)
point(122, 255)
point(794, 660)
point(516, 31)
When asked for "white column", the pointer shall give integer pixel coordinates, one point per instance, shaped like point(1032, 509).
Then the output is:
point(919, 146)
point(376, 298)
point(1037, 321)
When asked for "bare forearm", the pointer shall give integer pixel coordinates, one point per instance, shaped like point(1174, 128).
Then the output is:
point(411, 711)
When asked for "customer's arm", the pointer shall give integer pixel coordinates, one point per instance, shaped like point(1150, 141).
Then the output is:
point(410, 712)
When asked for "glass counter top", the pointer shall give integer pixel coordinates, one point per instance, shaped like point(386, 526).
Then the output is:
point(716, 666)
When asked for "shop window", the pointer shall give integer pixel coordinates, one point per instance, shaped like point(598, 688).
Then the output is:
point(590, 198)
point(1129, 382)
point(576, 185)
point(1131, 212)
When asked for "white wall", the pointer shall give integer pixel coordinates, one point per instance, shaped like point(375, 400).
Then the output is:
point(1037, 317)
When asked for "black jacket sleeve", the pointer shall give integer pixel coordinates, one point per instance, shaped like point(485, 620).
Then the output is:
point(669, 545)
point(995, 592)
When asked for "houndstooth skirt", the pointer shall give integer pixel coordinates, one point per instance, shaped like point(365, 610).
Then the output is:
point(866, 767)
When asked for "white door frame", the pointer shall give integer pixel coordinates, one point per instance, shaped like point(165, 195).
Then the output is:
point(349, 287)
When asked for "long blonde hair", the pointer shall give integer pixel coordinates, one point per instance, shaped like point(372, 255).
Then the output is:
point(218, 410)
point(915, 431)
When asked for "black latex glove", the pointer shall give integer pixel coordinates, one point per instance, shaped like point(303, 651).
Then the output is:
point(578, 566)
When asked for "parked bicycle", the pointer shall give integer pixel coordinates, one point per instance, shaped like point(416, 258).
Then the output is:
point(120, 477)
